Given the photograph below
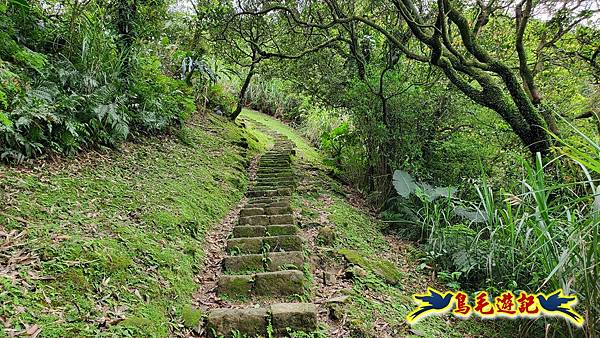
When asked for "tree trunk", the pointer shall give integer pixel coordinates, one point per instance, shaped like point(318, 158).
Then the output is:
point(240, 103)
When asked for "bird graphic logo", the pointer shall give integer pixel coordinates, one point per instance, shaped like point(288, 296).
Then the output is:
point(526, 305)
point(559, 305)
point(431, 302)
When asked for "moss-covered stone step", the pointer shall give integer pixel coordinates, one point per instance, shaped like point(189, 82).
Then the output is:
point(267, 219)
point(284, 183)
point(275, 174)
point(279, 160)
point(262, 284)
point(275, 203)
point(274, 186)
point(262, 231)
point(284, 190)
point(274, 170)
point(270, 176)
point(267, 210)
point(249, 231)
point(229, 322)
point(269, 193)
point(264, 187)
point(271, 169)
point(274, 167)
point(244, 263)
point(273, 261)
point(269, 199)
point(264, 205)
point(275, 182)
point(276, 158)
point(268, 167)
point(254, 321)
point(257, 245)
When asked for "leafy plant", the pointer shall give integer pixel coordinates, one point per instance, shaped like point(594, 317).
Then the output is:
point(406, 185)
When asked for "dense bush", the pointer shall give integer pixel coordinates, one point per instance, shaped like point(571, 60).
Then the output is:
point(73, 90)
point(543, 235)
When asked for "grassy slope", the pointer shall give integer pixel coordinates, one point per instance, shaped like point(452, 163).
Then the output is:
point(373, 301)
point(109, 245)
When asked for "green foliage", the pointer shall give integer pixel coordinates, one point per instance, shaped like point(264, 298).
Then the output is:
point(109, 236)
point(272, 97)
point(73, 95)
point(220, 98)
point(528, 241)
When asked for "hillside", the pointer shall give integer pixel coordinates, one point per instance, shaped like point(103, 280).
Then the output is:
point(111, 243)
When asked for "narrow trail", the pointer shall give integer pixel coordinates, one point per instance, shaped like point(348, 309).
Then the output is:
point(256, 285)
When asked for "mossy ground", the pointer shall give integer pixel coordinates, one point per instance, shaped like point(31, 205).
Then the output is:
point(305, 151)
point(375, 299)
point(108, 244)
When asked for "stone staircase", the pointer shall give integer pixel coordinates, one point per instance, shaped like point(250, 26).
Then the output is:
point(265, 262)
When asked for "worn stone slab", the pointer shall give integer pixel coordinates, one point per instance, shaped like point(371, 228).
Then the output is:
point(235, 286)
point(290, 260)
point(281, 219)
point(282, 229)
point(256, 245)
point(250, 231)
point(251, 212)
point(269, 193)
point(249, 245)
point(268, 200)
point(270, 174)
point(254, 220)
point(257, 205)
point(279, 204)
point(274, 173)
point(279, 284)
point(277, 210)
point(271, 186)
point(245, 263)
point(284, 243)
point(251, 321)
point(295, 316)
point(275, 180)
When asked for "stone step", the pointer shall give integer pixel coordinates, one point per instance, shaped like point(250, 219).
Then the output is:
point(262, 284)
point(274, 166)
point(268, 200)
point(267, 219)
point(269, 175)
point(276, 159)
point(277, 210)
point(274, 178)
point(273, 261)
point(271, 186)
point(286, 162)
point(264, 205)
point(283, 169)
point(266, 188)
point(262, 231)
point(282, 183)
point(257, 245)
point(269, 193)
point(253, 322)
point(260, 174)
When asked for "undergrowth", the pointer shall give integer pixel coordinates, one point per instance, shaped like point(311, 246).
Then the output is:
point(109, 245)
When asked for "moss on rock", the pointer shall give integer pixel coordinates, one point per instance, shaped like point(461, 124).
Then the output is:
point(191, 317)
point(380, 267)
